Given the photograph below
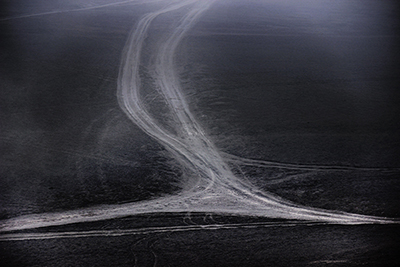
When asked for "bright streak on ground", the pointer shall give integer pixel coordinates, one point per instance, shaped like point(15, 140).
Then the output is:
point(76, 9)
point(214, 188)
point(152, 230)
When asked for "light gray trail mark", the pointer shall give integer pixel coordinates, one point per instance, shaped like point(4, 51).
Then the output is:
point(151, 230)
point(292, 166)
point(76, 9)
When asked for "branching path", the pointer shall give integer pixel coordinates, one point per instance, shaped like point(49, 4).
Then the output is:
point(214, 187)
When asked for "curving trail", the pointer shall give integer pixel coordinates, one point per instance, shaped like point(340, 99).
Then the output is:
point(213, 188)
point(193, 148)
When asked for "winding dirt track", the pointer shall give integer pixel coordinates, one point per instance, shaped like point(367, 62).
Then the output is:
point(214, 188)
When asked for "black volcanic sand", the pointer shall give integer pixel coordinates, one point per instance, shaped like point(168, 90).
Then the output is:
point(267, 81)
